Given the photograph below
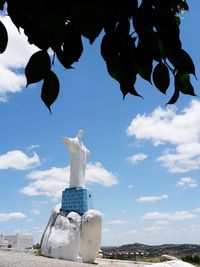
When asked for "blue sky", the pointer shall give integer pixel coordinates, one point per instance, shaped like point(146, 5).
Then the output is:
point(145, 157)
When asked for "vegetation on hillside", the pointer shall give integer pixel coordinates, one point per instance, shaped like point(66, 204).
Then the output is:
point(192, 258)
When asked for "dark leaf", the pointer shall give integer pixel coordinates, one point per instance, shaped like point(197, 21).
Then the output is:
point(128, 88)
point(50, 89)
point(38, 66)
point(51, 27)
point(167, 24)
point(109, 46)
point(71, 49)
point(122, 71)
point(143, 20)
point(182, 61)
point(37, 37)
point(184, 6)
point(124, 9)
point(3, 37)
point(89, 17)
point(145, 72)
point(128, 53)
point(178, 20)
point(174, 98)
point(144, 62)
point(161, 77)
point(2, 2)
point(110, 25)
point(123, 27)
point(183, 84)
point(17, 15)
point(153, 46)
point(168, 32)
point(115, 68)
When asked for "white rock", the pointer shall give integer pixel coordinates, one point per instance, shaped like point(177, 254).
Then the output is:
point(171, 263)
point(166, 257)
point(90, 235)
point(68, 235)
point(45, 236)
point(62, 236)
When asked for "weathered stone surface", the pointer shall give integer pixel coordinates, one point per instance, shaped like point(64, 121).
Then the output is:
point(69, 235)
point(166, 257)
point(62, 236)
point(90, 241)
point(171, 263)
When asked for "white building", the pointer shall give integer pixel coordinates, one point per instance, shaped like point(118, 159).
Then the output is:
point(19, 241)
point(3, 242)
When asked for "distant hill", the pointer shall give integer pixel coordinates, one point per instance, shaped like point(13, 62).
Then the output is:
point(155, 251)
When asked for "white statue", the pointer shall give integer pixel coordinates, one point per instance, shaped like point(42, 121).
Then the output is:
point(79, 154)
point(68, 235)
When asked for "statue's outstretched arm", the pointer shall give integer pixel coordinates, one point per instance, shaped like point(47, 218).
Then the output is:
point(65, 139)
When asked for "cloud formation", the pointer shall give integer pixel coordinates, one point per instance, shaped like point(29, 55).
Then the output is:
point(169, 216)
point(151, 199)
point(117, 222)
point(4, 217)
point(18, 160)
point(51, 182)
point(187, 182)
point(13, 59)
point(35, 211)
point(170, 127)
point(136, 158)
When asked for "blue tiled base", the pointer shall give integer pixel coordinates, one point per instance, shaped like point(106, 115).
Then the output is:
point(76, 199)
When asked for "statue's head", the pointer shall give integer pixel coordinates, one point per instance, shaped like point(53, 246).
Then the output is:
point(80, 134)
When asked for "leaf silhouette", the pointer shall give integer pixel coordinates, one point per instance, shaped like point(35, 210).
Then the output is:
point(50, 89)
point(3, 37)
point(38, 66)
point(161, 77)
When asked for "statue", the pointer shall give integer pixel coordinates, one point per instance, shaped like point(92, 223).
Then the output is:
point(79, 154)
point(74, 228)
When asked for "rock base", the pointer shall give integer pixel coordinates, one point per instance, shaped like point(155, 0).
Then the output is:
point(72, 237)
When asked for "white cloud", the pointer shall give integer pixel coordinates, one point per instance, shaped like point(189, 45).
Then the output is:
point(38, 203)
point(96, 173)
point(10, 82)
point(36, 230)
point(197, 210)
point(162, 222)
point(151, 199)
point(50, 182)
point(187, 182)
point(155, 229)
point(167, 126)
point(136, 158)
point(53, 181)
point(35, 211)
point(169, 216)
point(133, 232)
point(31, 147)
point(18, 160)
point(124, 211)
point(117, 222)
point(4, 217)
point(29, 220)
point(15, 57)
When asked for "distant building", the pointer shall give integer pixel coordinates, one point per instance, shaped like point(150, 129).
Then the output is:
point(17, 241)
point(3, 242)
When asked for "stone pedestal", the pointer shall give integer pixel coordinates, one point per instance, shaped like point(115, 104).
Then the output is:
point(69, 236)
point(76, 199)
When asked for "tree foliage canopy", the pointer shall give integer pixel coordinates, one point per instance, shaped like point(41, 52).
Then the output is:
point(141, 38)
